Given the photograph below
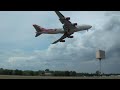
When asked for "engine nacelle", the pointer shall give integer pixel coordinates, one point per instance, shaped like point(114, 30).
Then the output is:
point(71, 37)
point(68, 18)
point(62, 41)
point(75, 24)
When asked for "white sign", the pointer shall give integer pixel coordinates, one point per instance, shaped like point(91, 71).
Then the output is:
point(100, 54)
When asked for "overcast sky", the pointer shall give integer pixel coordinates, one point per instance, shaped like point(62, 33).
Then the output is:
point(19, 49)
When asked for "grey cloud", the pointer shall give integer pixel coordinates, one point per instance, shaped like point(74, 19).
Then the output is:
point(112, 13)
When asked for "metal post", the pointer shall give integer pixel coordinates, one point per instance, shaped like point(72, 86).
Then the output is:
point(100, 66)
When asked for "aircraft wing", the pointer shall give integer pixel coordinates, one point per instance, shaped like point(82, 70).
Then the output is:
point(63, 20)
point(63, 37)
point(60, 15)
point(67, 26)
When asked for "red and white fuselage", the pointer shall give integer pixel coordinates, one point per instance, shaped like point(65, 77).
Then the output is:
point(69, 28)
point(59, 31)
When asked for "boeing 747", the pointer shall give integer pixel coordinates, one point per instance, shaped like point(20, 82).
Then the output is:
point(67, 30)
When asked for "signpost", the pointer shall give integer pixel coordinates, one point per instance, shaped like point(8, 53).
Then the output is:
point(100, 54)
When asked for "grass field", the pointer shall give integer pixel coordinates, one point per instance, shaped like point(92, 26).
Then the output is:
point(52, 77)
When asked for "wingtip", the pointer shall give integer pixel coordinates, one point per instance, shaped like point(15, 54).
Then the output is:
point(53, 43)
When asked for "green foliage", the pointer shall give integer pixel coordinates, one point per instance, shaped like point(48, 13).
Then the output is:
point(47, 70)
point(43, 72)
point(18, 72)
point(97, 73)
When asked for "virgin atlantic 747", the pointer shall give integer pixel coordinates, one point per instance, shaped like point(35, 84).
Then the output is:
point(67, 30)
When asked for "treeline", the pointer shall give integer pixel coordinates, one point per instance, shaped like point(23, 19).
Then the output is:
point(36, 73)
point(47, 72)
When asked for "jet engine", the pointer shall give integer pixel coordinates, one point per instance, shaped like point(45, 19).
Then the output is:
point(68, 18)
point(75, 24)
point(62, 41)
point(71, 37)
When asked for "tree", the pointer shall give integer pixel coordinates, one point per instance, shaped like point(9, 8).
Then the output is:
point(97, 73)
point(31, 73)
point(67, 73)
point(47, 70)
point(1, 71)
point(73, 73)
point(18, 72)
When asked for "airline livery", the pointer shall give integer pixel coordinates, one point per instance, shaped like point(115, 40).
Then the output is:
point(67, 31)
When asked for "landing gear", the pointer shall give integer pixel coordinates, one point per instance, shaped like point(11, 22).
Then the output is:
point(66, 28)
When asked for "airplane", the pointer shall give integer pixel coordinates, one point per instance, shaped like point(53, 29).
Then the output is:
point(67, 30)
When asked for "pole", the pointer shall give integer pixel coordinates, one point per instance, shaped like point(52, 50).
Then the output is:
point(100, 66)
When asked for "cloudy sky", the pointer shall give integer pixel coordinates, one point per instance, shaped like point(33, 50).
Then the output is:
point(19, 49)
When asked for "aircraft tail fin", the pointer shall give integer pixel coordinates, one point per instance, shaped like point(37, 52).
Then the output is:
point(38, 30)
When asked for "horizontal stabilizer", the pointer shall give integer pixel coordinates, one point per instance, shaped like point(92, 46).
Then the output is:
point(37, 34)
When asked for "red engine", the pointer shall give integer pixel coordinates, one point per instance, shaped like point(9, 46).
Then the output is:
point(68, 18)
